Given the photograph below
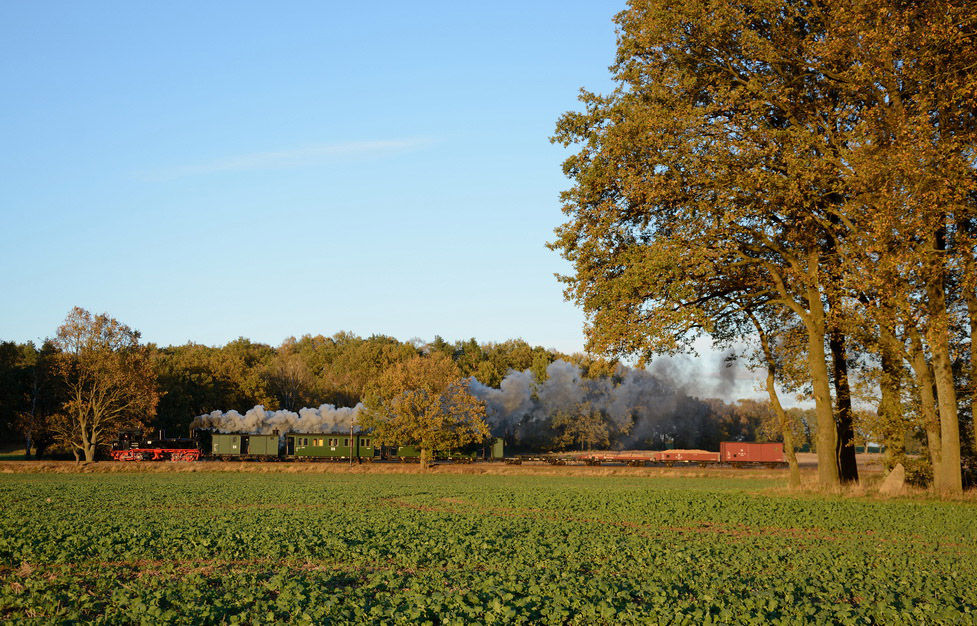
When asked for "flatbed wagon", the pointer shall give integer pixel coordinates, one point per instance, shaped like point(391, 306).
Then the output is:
point(733, 454)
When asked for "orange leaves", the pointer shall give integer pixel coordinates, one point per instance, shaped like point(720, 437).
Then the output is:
point(424, 401)
point(109, 379)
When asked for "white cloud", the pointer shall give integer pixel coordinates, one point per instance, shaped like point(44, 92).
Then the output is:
point(293, 158)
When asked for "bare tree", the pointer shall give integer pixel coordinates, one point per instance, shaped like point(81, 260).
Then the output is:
point(109, 380)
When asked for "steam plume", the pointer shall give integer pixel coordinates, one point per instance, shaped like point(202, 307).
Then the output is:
point(325, 419)
point(640, 406)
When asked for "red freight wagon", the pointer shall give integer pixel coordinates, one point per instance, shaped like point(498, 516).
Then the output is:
point(733, 452)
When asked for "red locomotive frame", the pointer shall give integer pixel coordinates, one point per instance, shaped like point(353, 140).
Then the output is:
point(156, 454)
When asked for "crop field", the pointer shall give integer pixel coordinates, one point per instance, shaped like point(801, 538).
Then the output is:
point(220, 547)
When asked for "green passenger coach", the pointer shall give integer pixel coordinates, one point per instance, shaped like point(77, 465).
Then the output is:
point(330, 446)
point(309, 446)
point(225, 445)
point(492, 450)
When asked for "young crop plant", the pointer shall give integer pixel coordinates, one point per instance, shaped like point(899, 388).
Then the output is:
point(370, 548)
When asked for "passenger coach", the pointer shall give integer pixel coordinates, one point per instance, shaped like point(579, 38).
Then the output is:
point(302, 446)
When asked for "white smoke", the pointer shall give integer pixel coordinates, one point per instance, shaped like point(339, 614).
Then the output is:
point(325, 419)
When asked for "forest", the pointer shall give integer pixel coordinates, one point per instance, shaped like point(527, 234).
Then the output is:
point(537, 399)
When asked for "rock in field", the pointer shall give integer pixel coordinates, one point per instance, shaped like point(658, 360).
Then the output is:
point(895, 481)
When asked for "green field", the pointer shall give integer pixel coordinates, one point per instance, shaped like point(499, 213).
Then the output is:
point(213, 547)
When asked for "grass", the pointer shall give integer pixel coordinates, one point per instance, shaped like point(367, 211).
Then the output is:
point(12, 452)
point(223, 543)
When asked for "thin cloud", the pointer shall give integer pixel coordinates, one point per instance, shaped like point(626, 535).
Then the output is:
point(293, 158)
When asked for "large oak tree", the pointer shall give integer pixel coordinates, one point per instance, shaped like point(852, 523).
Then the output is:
point(751, 154)
point(425, 402)
point(108, 378)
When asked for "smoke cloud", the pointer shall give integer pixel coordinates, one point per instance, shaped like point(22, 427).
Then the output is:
point(644, 407)
point(325, 419)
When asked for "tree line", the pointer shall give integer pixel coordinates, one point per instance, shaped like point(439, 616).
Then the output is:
point(94, 377)
point(800, 176)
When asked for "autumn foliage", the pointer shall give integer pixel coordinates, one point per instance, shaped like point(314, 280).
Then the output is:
point(108, 380)
point(425, 402)
point(801, 173)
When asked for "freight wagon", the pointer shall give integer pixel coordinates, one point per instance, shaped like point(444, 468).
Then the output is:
point(734, 452)
point(731, 453)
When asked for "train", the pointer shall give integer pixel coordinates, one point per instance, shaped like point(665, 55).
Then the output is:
point(205, 444)
point(731, 453)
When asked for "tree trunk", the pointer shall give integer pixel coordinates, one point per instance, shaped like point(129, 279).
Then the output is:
point(970, 296)
point(927, 398)
point(947, 477)
point(794, 480)
point(87, 442)
point(847, 464)
point(828, 471)
point(969, 290)
point(425, 458)
point(890, 405)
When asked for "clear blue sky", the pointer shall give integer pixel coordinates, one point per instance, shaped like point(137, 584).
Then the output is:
point(204, 171)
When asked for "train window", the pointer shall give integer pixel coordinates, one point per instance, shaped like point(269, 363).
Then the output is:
point(317, 442)
point(333, 443)
point(367, 443)
point(305, 441)
point(346, 442)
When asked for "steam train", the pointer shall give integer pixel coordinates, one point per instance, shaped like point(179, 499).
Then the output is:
point(361, 447)
point(209, 445)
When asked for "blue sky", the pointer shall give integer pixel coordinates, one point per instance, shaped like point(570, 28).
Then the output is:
point(204, 171)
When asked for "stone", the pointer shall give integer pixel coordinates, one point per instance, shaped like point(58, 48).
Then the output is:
point(895, 482)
